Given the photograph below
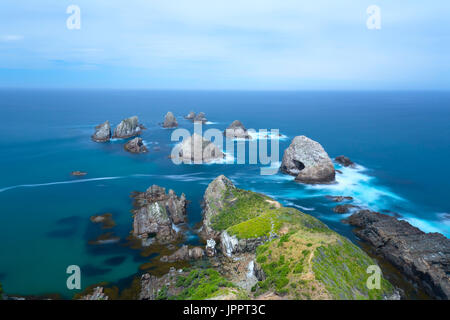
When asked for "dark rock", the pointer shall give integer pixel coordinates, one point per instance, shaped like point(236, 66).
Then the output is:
point(343, 208)
point(308, 161)
point(135, 146)
point(346, 162)
point(423, 257)
point(102, 132)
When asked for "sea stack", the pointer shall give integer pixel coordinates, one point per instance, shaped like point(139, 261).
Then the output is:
point(307, 160)
point(102, 132)
point(135, 146)
point(236, 130)
point(190, 116)
point(200, 117)
point(155, 214)
point(128, 128)
point(198, 149)
point(170, 121)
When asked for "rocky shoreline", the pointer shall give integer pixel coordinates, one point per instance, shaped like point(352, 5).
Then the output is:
point(422, 257)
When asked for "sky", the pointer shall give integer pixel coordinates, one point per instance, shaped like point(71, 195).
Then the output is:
point(226, 45)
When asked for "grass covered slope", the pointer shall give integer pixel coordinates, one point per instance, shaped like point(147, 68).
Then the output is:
point(303, 258)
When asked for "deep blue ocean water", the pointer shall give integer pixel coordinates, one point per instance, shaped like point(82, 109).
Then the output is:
point(400, 141)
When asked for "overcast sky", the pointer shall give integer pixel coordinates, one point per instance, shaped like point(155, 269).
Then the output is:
point(211, 44)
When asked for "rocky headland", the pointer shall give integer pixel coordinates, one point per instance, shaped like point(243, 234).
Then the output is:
point(156, 214)
point(307, 160)
point(236, 130)
point(422, 257)
point(135, 145)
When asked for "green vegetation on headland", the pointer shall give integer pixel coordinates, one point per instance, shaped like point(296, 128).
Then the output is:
point(303, 258)
point(1, 292)
point(203, 284)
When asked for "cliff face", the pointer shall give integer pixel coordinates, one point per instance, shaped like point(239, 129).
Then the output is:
point(423, 257)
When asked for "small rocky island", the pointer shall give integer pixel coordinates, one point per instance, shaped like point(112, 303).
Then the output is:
point(102, 132)
point(200, 117)
point(307, 160)
point(198, 149)
point(135, 145)
point(170, 121)
point(156, 213)
point(128, 128)
point(236, 130)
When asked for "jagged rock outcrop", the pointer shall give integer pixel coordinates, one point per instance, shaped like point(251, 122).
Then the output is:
point(213, 202)
point(128, 128)
point(97, 294)
point(151, 286)
point(200, 117)
point(190, 116)
point(184, 253)
point(236, 130)
point(170, 121)
point(344, 161)
point(230, 244)
point(423, 257)
point(308, 162)
point(102, 132)
point(198, 149)
point(135, 145)
point(156, 213)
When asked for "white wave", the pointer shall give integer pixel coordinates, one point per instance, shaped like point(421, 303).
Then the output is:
point(211, 122)
point(356, 183)
point(428, 225)
point(57, 183)
point(269, 135)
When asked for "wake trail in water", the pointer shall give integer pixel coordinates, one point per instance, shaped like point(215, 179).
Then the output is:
point(181, 177)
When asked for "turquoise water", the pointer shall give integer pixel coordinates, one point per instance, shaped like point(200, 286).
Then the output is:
point(400, 141)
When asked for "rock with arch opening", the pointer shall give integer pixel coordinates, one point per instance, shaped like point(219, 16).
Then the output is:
point(307, 160)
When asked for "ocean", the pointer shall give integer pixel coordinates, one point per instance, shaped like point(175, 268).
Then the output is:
point(399, 140)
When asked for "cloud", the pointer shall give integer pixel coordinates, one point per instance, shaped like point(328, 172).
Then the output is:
point(11, 37)
point(234, 44)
